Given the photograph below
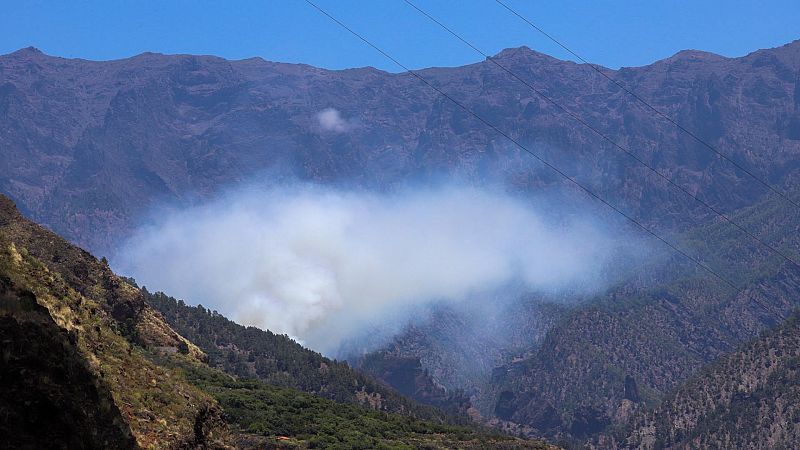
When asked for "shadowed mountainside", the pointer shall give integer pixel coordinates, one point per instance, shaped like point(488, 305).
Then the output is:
point(74, 336)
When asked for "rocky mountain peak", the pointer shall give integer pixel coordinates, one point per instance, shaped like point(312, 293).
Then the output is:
point(524, 53)
point(28, 52)
point(694, 56)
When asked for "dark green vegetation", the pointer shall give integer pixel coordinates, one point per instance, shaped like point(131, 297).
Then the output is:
point(83, 352)
point(262, 410)
point(276, 359)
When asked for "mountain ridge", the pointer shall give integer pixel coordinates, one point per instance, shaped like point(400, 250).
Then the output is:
point(32, 50)
point(91, 146)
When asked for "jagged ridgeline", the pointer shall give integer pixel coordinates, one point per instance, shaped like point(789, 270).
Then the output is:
point(88, 363)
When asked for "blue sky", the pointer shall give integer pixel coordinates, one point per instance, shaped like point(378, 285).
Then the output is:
point(611, 33)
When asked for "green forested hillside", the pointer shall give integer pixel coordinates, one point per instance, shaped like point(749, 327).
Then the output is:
point(268, 415)
point(278, 360)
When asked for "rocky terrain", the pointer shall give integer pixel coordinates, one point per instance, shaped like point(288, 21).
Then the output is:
point(89, 147)
point(748, 399)
point(73, 339)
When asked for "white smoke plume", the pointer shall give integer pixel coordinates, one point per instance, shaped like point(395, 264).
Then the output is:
point(330, 119)
point(316, 263)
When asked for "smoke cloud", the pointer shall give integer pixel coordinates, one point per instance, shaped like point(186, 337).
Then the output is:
point(330, 119)
point(319, 263)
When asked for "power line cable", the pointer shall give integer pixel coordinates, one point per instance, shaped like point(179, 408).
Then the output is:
point(651, 107)
point(608, 139)
point(540, 159)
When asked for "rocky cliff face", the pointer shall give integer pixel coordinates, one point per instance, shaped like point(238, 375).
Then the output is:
point(44, 371)
point(453, 354)
point(89, 146)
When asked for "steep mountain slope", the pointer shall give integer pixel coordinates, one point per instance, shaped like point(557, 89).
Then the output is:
point(250, 352)
point(454, 351)
point(748, 400)
point(69, 326)
point(60, 388)
point(627, 349)
point(577, 371)
point(88, 147)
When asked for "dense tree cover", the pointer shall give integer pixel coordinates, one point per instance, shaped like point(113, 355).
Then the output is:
point(280, 361)
point(296, 419)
